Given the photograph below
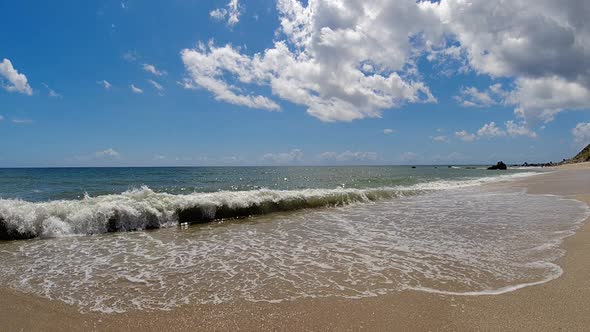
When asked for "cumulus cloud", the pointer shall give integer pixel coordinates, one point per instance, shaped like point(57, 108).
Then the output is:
point(582, 132)
point(465, 136)
point(339, 60)
point(105, 84)
point(293, 156)
point(491, 130)
point(472, 97)
point(543, 47)
point(13, 81)
point(206, 69)
point(349, 156)
point(136, 89)
point(153, 70)
point(345, 60)
point(388, 131)
point(231, 14)
point(513, 129)
point(540, 99)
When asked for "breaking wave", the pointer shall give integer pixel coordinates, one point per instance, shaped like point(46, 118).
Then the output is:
point(143, 208)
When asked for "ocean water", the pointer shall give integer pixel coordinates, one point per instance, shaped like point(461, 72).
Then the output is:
point(277, 233)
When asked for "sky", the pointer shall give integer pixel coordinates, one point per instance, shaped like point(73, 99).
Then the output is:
point(287, 82)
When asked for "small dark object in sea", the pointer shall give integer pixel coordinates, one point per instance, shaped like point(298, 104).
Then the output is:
point(500, 165)
point(549, 164)
point(413, 166)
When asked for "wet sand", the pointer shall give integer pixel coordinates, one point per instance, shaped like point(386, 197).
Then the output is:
point(562, 304)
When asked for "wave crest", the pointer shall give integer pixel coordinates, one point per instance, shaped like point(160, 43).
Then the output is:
point(143, 208)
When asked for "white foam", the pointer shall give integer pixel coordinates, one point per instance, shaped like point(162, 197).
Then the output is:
point(457, 242)
point(143, 208)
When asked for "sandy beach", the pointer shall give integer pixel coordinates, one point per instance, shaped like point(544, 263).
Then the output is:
point(561, 304)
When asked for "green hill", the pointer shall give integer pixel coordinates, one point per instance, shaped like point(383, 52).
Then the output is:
point(583, 156)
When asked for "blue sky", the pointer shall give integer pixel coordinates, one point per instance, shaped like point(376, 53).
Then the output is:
point(332, 83)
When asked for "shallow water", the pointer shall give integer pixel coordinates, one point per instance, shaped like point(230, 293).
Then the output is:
point(460, 238)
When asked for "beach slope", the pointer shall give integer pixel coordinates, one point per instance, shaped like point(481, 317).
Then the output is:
point(561, 304)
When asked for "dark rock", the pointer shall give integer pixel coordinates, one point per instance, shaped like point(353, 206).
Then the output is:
point(500, 165)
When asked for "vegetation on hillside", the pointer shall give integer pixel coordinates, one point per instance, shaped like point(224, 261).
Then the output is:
point(583, 156)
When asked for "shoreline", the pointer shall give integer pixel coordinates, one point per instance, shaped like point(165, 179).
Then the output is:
point(562, 303)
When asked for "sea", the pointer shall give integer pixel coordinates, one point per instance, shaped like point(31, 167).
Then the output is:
point(115, 240)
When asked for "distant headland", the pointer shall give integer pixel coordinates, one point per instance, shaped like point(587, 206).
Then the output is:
point(581, 157)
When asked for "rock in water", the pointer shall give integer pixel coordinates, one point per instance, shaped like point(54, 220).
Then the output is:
point(499, 165)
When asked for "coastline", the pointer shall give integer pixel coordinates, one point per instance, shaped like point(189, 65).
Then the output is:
point(559, 304)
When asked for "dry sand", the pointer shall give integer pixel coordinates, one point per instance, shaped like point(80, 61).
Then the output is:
point(562, 304)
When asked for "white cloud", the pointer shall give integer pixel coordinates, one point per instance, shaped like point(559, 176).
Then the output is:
point(205, 70)
point(50, 92)
point(582, 133)
point(348, 156)
point(218, 14)
point(542, 98)
point(440, 138)
point(388, 131)
point(136, 89)
point(465, 136)
point(321, 62)
point(543, 46)
point(22, 121)
point(17, 82)
point(130, 56)
point(232, 13)
point(513, 129)
point(293, 156)
point(105, 84)
point(345, 60)
point(491, 130)
point(472, 97)
point(153, 70)
point(156, 85)
point(107, 154)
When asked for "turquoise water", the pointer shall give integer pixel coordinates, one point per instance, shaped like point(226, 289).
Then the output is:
point(67, 201)
point(46, 184)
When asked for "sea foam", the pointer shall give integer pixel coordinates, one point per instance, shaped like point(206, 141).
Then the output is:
point(143, 208)
point(461, 241)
